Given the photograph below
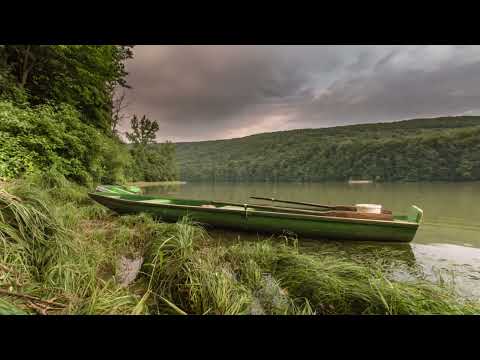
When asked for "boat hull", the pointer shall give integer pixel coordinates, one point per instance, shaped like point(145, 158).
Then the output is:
point(269, 222)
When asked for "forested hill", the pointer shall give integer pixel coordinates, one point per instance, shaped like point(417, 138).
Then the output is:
point(446, 148)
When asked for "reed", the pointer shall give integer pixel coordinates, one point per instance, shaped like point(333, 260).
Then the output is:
point(336, 285)
point(57, 246)
point(184, 273)
point(7, 308)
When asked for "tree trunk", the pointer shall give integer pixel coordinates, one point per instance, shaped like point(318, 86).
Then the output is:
point(26, 67)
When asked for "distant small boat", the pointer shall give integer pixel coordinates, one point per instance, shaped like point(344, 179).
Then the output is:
point(336, 224)
point(360, 181)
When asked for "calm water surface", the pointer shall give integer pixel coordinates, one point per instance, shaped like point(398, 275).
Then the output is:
point(448, 241)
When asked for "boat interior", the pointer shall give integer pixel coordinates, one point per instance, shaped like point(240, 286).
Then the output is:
point(413, 216)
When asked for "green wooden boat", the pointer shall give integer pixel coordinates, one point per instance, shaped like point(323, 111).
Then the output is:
point(118, 189)
point(265, 219)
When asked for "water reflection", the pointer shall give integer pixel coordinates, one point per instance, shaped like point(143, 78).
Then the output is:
point(168, 189)
point(460, 263)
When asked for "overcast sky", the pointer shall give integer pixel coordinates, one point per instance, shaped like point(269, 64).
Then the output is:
point(217, 92)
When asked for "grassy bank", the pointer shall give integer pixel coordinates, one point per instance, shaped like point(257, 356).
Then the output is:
point(62, 254)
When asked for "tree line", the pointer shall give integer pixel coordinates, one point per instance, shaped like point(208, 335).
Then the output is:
point(446, 149)
point(60, 107)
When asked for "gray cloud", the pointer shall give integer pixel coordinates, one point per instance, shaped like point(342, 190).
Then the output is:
point(213, 92)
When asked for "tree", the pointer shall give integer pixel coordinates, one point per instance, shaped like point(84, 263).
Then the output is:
point(84, 76)
point(144, 131)
point(153, 162)
point(118, 106)
point(23, 58)
point(414, 150)
point(56, 110)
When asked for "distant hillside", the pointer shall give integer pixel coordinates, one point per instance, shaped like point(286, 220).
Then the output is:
point(445, 148)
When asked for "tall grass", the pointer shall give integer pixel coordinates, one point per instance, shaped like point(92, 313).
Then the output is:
point(27, 222)
point(336, 285)
point(268, 277)
point(184, 273)
point(7, 308)
point(63, 247)
point(62, 251)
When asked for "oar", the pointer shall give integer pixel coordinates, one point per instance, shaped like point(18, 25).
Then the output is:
point(336, 207)
point(273, 208)
point(343, 214)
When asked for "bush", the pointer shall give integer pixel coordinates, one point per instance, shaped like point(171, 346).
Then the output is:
point(46, 136)
point(154, 162)
point(8, 88)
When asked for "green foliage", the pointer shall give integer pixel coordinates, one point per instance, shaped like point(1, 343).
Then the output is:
point(83, 76)
point(154, 163)
point(144, 131)
point(49, 136)
point(150, 162)
point(115, 161)
point(56, 111)
point(413, 150)
point(8, 87)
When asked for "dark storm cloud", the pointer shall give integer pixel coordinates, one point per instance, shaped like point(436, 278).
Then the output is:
point(390, 93)
point(212, 92)
point(197, 92)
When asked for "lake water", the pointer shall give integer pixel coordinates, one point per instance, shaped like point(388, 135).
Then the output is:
point(448, 241)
